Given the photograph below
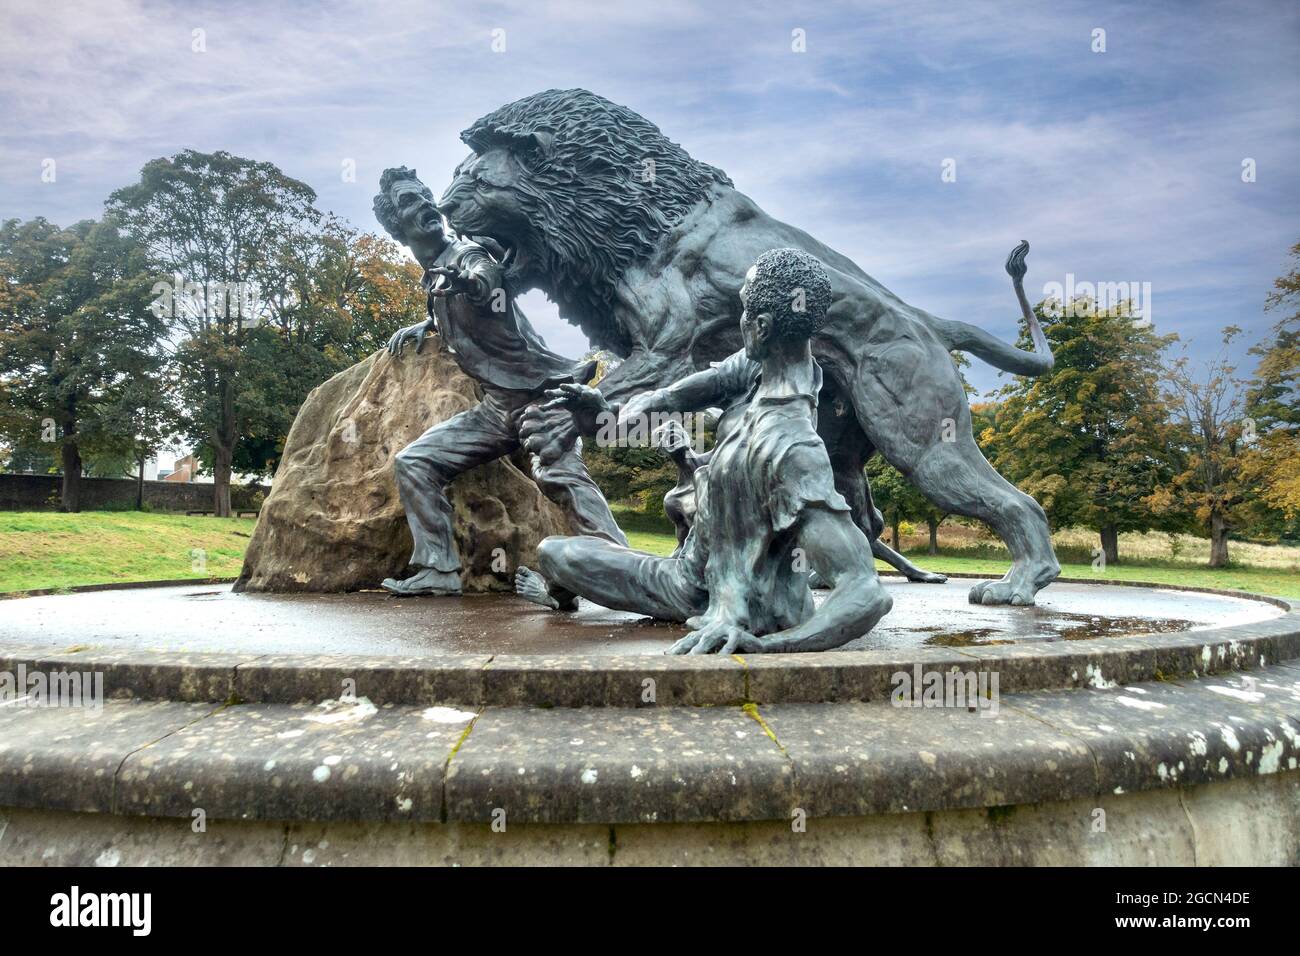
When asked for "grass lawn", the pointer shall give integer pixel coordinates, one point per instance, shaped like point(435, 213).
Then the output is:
point(1275, 581)
point(53, 550)
point(1264, 569)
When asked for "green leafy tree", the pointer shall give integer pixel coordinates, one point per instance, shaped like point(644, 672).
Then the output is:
point(1089, 439)
point(896, 498)
point(637, 474)
point(76, 338)
point(218, 229)
point(1273, 409)
point(140, 425)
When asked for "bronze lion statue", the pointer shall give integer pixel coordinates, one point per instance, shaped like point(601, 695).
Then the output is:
point(643, 247)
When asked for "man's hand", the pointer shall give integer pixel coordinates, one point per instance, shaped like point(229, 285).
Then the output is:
point(671, 438)
point(458, 282)
point(412, 333)
point(547, 434)
point(583, 402)
point(718, 638)
point(640, 405)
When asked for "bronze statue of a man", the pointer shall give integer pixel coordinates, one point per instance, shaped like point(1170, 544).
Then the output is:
point(492, 342)
point(768, 512)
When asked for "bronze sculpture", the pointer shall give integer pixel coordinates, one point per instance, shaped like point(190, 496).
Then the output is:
point(472, 308)
point(768, 512)
point(640, 245)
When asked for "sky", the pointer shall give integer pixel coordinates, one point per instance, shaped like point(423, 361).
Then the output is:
point(1119, 155)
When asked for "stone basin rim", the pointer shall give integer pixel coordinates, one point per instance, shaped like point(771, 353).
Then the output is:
point(619, 765)
point(615, 681)
point(1281, 602)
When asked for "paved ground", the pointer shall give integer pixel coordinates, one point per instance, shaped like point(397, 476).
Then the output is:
point(211, 618)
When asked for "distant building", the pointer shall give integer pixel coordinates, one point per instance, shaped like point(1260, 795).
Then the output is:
point(185, 470)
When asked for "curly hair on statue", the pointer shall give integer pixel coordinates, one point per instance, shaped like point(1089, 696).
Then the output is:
point(602, 185)
point(794, 288)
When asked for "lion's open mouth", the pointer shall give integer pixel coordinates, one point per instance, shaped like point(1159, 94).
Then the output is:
point(512, 256)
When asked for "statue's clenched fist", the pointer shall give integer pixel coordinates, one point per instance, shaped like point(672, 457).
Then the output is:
point(547, 433)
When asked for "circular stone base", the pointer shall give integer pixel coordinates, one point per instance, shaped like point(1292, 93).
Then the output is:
point(356, 724)
point(1250, 822)
point(210, 618)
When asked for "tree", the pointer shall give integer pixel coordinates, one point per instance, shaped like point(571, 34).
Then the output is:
point(1209, 412)
point(896, 498)
point(1273, 405)
point(1089, 439)
point(76, 334)
point(331, 299)
point(141, 423)
point(370, 287)
point(219, 227)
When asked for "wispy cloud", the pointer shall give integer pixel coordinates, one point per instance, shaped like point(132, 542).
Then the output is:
point(1122, 165)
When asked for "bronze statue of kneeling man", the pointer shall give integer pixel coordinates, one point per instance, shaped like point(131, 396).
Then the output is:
point(768, 509)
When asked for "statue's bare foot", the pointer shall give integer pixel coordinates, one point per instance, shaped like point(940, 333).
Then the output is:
point(909, 570)
point(426, 582)
point(919, 576)
point(531, 585)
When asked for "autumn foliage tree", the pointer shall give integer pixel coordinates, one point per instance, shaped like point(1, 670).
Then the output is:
point(1208, 406)
point(1272, 464)
point(332, 298)
point(1090, 438)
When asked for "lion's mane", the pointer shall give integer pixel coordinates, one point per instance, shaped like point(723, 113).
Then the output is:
point(602, 190)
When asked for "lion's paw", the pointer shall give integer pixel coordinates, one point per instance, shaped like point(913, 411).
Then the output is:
point(1001, 592)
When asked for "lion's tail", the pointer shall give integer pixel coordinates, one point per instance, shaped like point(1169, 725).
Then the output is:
point(964, 337)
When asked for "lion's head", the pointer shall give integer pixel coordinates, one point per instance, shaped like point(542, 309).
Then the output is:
point(577, 189)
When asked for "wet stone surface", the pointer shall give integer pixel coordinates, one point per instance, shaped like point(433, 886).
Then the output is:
point(367, 622)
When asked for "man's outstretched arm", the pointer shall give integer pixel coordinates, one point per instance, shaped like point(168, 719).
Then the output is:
point(707, 388)
point(696, 392)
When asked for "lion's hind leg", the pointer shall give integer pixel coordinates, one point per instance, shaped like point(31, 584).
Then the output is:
point(957, 478)
point(909, 399)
